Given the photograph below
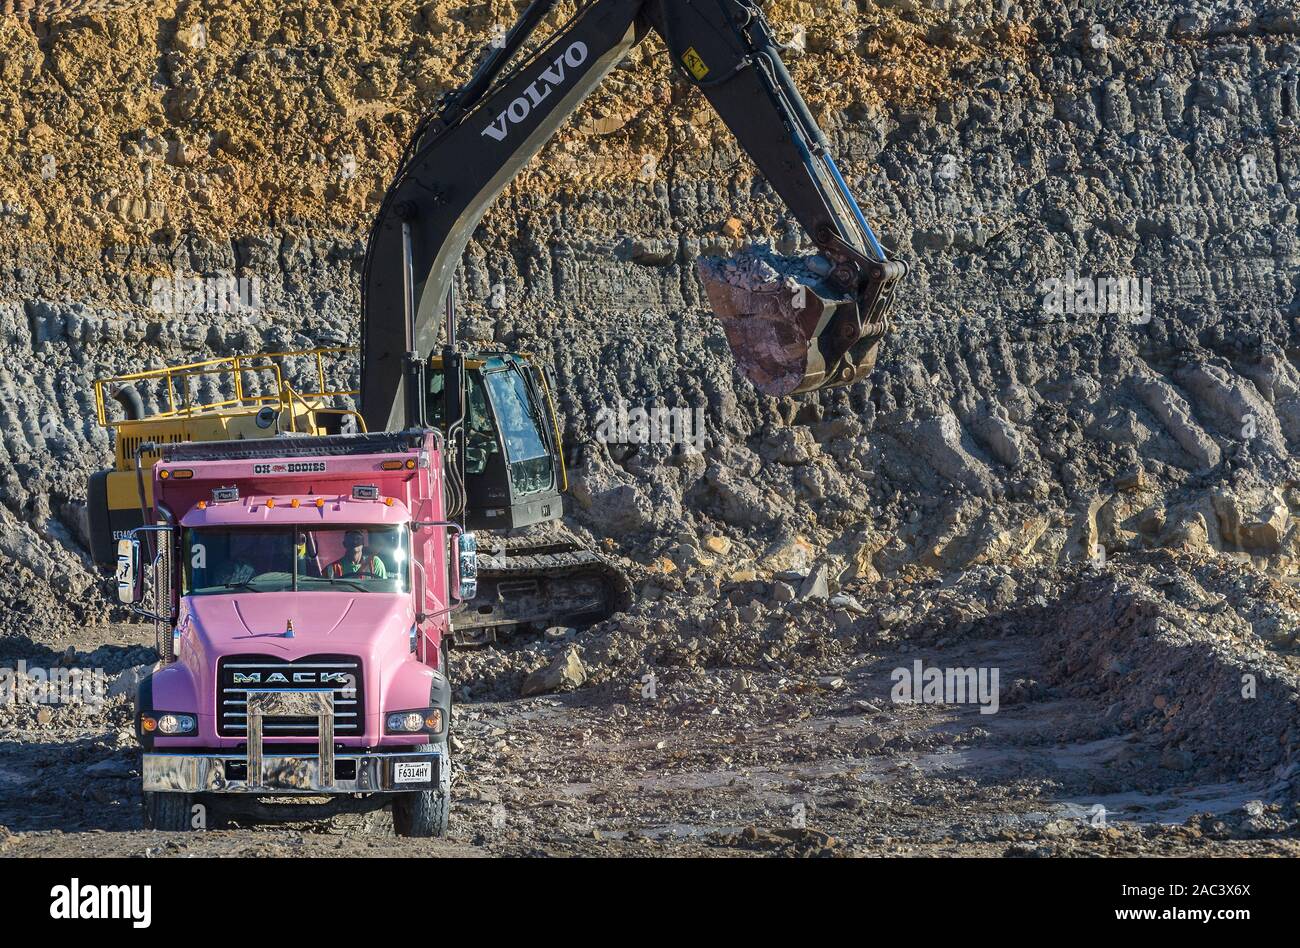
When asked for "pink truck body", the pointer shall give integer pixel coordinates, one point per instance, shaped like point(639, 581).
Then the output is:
point(364, 654)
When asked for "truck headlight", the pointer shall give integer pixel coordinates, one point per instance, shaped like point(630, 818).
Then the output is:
point(169, 723)
point(425, 721)
point(405, 721)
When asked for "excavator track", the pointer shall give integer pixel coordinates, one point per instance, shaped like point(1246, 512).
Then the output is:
point(536, 584)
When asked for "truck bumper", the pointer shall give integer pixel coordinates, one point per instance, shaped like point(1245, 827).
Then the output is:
point(183, 772)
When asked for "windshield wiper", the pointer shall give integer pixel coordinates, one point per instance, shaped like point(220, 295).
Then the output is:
point(355, 585)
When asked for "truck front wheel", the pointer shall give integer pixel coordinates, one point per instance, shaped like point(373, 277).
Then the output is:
point(423, 813)
point(169, 812)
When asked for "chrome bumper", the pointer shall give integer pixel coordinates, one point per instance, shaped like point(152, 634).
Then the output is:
point(192, 772)
point(325, 772)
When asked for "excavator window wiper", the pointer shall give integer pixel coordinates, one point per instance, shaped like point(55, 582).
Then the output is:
point(534, 399)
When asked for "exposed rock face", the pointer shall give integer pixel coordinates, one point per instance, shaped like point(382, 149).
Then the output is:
point(1099, 205)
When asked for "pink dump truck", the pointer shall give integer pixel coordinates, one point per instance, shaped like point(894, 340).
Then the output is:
point(302, 590)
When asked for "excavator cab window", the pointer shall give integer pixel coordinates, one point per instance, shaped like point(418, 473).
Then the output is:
point(481, 441)
point(532, 467)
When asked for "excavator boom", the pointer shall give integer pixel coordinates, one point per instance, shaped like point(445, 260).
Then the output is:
point(459, 161)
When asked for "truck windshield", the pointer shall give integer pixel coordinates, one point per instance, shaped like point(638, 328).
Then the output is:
point(221, 560)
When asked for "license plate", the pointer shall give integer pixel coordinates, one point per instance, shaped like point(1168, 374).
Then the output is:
point(421, 772)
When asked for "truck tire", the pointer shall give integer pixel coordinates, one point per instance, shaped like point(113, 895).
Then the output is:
point(168, 812)
point(422, 814)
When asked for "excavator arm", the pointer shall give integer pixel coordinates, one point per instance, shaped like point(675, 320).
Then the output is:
point(459, 160)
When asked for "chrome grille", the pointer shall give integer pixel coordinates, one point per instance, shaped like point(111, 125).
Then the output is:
point(236, 674)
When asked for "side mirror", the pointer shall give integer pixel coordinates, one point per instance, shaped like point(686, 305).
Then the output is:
point(466, 566)
point(129, 589)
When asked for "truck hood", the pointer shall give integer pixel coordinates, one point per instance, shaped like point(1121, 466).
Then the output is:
point(322, 621)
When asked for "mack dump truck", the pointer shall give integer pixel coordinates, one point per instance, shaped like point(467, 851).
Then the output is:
point(303, 589)
point(305, 583)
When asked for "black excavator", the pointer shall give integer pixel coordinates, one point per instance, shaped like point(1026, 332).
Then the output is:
point(458, 161)
point(498, 409)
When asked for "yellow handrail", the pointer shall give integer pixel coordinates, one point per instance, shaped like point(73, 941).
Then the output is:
point(235, 365)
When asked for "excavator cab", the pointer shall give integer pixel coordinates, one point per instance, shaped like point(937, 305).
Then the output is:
point(498, 412)
point(513, 464)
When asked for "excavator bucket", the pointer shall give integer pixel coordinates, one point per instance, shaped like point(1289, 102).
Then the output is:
point(789, 329)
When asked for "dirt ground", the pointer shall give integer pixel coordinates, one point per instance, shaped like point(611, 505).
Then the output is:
point(812, 759)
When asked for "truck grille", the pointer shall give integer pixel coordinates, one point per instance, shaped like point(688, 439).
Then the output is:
point(236, 674)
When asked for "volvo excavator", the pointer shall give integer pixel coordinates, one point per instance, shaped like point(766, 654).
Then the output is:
point(498, 409)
